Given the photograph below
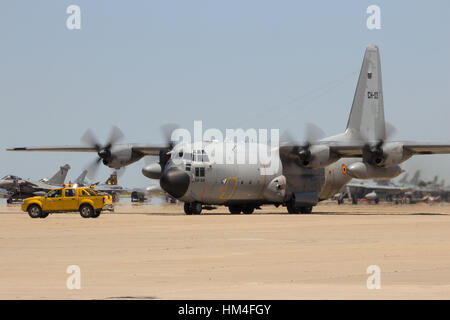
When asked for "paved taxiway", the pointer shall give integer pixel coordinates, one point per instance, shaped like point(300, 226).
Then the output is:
point(155, 251)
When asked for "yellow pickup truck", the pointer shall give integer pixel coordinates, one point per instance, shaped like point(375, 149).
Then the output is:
point(88, 202)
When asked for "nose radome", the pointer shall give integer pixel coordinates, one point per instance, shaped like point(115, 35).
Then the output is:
point(175, 182)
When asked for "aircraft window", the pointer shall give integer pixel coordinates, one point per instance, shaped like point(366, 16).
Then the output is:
point(70, 193)
point(55, 193)
point(200, 172)
point(187, 156)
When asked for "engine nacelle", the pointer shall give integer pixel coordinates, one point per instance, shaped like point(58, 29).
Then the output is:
point(120, 156)
point(361, 170)
point(152, 171)
point(320, 157)
point(394, 154)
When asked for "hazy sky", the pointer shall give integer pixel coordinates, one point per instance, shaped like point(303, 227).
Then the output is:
point(250, 64)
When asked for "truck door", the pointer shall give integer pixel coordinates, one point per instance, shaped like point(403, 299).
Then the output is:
point(70, 200)
point(53, 201)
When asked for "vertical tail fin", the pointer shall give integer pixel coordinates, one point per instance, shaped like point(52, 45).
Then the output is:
point(81, 178)
point(367, 113)
point(59, 176)
point(415, 178)
point(112, 180)
point(404, 179)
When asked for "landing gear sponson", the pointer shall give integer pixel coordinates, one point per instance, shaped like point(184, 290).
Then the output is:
point(191, 208)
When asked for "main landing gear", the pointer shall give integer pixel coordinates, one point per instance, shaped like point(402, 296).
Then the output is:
point(192, 208)
point(293, 209)
point(237, 209)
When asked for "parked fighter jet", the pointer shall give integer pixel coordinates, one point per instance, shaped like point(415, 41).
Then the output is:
point(373, 190)
point(304, 174)
point(19, 189)
point(110, 186)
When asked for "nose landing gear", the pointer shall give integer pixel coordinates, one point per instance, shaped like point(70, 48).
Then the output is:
point(192, 208)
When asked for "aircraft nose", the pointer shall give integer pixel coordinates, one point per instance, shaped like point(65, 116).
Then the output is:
point(4, 183)
point(175, 182)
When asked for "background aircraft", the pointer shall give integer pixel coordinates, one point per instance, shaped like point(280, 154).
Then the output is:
point(19, 189)
point(373, 190)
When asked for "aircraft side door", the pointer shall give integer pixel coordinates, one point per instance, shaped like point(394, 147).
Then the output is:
point(70, 199)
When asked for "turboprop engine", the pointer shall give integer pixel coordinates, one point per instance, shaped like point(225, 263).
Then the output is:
point(381, 154)
point(313, 156)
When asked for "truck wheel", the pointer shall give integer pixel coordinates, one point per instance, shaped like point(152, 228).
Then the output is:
point(86, 211)
point(34, 211)
point(96, 213)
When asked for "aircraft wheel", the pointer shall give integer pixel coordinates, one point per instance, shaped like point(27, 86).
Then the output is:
point(292, 209)
point(9, 201)
point(196, 207)
point(248, 210)
point(187, 208)
point(44, 214)
point(34, 211)
point(305, 209)
point(96, 214)
point(86, 211)
point(354, 200)
point(235, 209)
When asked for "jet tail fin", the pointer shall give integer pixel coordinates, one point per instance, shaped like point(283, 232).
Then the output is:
point(81, 178)
point(112, 180)
point(60, 175)
point(367, 113)
point(404, 179)
point(415, 178)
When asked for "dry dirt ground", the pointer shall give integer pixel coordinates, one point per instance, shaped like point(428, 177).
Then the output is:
point(156, 252)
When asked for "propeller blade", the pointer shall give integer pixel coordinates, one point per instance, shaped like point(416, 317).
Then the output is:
point(92, 168)
point(166, 132)
point(115, 136)
point(121, 172)
point(313, 133)
point(391, 130)
point(89, 138)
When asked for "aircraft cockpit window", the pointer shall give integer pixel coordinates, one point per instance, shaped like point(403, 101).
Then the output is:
point(180, 154)
point(187, 156)
point(55, 193)
point(200, 156)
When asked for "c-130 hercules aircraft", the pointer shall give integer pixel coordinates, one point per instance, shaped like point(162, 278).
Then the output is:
point(306, 173)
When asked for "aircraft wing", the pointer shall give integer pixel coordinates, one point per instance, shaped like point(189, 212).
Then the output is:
point(55, 149)
point(146, 149)
point(427, 148)
point(356, 151)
